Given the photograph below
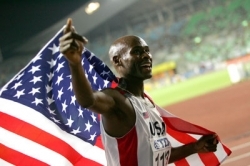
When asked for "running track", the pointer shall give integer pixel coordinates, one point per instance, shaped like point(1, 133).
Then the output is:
point(227, 112)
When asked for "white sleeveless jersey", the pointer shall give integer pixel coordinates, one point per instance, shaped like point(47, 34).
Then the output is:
point(145, 144)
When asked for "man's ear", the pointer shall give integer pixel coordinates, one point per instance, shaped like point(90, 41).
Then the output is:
point(116, 60)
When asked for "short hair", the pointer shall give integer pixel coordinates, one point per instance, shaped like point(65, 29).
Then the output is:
point(118, 46)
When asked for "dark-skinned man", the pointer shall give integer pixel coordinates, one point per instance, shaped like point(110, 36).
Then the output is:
point(133, 133)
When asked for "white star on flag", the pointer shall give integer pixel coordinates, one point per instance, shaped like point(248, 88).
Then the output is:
point(88, 126)
point(54, 49)
point(36, 79)
point(34, 91)
point(34, 69)
point(70, 121)
point(19, 93)
point(76, 131)
point(17, 85)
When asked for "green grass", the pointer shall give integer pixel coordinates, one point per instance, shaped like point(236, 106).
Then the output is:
point(191, 88)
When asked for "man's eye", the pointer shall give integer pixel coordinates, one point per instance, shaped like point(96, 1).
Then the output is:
point(136, 52)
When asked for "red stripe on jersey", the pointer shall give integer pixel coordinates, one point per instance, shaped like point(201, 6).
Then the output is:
point(16, 158)
point(127, 147)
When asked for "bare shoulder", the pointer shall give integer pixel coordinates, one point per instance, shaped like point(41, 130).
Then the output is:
point(108, 101)
point(121, 118)
point(119, 99)
point(111, 91)
point(114, 93)
point(121, 104)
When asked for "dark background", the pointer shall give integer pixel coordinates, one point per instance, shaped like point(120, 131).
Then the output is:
point(20, 20)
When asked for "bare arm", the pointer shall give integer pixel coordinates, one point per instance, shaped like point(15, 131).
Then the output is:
point(205, 144)
point(71, 45)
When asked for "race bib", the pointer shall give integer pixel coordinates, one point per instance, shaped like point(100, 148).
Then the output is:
point(161, 151)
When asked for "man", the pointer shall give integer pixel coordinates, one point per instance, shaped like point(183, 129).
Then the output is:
point(133, 133)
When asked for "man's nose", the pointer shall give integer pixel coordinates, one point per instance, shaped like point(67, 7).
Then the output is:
point(146, 54)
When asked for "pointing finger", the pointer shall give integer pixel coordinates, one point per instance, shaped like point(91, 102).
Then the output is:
point(68, 26)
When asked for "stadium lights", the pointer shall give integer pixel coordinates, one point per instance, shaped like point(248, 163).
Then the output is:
point(197, 40)
point(93, 6)
point(244, 23)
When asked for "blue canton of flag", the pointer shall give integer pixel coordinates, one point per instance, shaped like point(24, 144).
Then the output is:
point(45, 85)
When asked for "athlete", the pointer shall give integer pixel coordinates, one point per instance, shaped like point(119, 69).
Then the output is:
point(133, 133)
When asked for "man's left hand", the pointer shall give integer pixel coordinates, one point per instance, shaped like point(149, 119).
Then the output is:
point(207, 143)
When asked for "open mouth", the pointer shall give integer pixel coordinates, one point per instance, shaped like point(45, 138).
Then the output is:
point(147, 66)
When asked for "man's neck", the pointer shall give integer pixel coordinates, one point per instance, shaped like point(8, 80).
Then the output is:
point(136, 87)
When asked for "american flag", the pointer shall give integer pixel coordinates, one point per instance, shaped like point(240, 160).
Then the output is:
point(42, 124)
point(145, 115)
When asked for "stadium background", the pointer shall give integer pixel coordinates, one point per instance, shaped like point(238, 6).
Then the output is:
point(201, 51)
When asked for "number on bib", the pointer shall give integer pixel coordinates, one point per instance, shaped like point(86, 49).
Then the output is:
point(161, 158)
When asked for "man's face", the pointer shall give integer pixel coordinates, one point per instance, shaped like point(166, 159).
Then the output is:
point(136, 58)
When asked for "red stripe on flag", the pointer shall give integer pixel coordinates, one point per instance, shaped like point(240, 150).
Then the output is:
point(99, 142)
point(184, 126)
point(206, 158)
point(114, 84)
point(16, 158)
point(228, 151)
point(209, 158)
point(84, 162)
point(179, 136)
point(41, 137)
point(182, 162)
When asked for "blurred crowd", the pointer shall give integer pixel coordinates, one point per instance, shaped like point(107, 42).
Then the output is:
point(198, 37)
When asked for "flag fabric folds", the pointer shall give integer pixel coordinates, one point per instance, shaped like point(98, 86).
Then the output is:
point(42, 124)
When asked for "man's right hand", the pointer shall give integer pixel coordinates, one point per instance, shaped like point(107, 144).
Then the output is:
point(71, 44)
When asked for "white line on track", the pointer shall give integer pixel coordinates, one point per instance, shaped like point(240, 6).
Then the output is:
point(236, 158)
point(238, 147)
